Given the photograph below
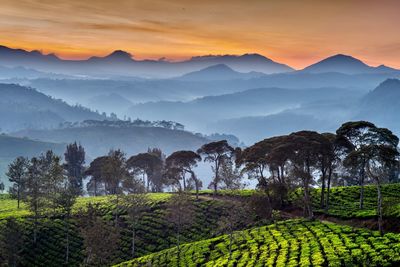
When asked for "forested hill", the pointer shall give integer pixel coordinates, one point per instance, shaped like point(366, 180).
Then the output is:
point(23, 107)
point(98, 140)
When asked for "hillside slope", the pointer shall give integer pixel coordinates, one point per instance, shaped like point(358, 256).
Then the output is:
point(23, 107)
point(288, 243)
point(98, 140)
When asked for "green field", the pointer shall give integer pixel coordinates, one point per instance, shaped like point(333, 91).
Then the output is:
point(285, 243)
point(288, 243)
point(154, 233)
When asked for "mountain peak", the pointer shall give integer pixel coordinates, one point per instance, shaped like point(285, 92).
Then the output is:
point(218, 67)
point(339, 63)
point(120, 54)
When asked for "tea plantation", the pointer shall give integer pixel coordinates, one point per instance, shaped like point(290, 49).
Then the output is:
point(153, 232)
point(285, 243)
point(288, 243)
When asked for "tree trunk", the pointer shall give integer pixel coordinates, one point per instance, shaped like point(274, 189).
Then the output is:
point(362, 178)
point(323, 178)
point(329, 189)
point(178, 246)
point(216, 178)
point(380, 218)
point(18, 196)
point(230, 245)
point(133, 242)
point(67, 237)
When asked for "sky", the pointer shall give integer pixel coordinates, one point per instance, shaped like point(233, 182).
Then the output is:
point(294, 32)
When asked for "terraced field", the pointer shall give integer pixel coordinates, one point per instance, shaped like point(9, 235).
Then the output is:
point(153, 232)
point(288, 243)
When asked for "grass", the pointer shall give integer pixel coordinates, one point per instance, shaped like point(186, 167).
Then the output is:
point(8, 206)
point(288, 243)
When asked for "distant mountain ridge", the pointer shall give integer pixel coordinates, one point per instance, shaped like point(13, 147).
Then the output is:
point(345, 64)
point(23, 107)
point(123, 63)
point(218, 72)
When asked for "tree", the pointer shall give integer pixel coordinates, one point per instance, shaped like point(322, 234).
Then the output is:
point(145, 164)
point(95, 173)
point(380, 157)
point(305, 147)
point(11, 243)
point(66, 197)
point(114, 173)
point(100, 238)
point(2, 187)
point(230, 176)
point(357, 133)
point(136, 205)
point(180, 213)
point(17, 172)
point(74, 160)
point(216, 153)
point(332, 154)
point(236, 214)
point(184, 162)
point(34, 194)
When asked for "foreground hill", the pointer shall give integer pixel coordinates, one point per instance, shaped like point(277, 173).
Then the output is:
point(287, 243)
point(98, 140)
point(23, 107)
point(153, 231)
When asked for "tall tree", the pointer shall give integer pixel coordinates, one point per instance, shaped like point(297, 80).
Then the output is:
point(34, 194)
point(145, 164)
point(305, 147)
point(74, 165)
point(180, 213)
point(114, 173)
point(380, 157)
point(184, 162)
point(216, 153)
point(17, 172)
point(357, 133)
point(11, 243)
point(95, 185)
point(136, 205)
point(65, 200)
point(100, 237)
point(235, 215)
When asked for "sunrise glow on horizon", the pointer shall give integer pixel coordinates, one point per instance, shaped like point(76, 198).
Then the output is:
point(297, 33)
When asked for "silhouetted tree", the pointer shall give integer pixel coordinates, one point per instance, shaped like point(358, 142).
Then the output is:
point(11, 243)
point(216, 153)
point(357, 133)
point(145, 164)
point(184, 162)
point(17, 172)
point(95, 173)
point(380, 156)
point(74, 161)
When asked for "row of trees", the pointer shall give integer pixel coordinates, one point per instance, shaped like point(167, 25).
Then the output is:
point(358, 153)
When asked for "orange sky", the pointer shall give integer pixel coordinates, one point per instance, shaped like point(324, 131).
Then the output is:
point(295, 32)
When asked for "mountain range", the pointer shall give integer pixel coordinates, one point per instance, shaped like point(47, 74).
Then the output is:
point(122, 64)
